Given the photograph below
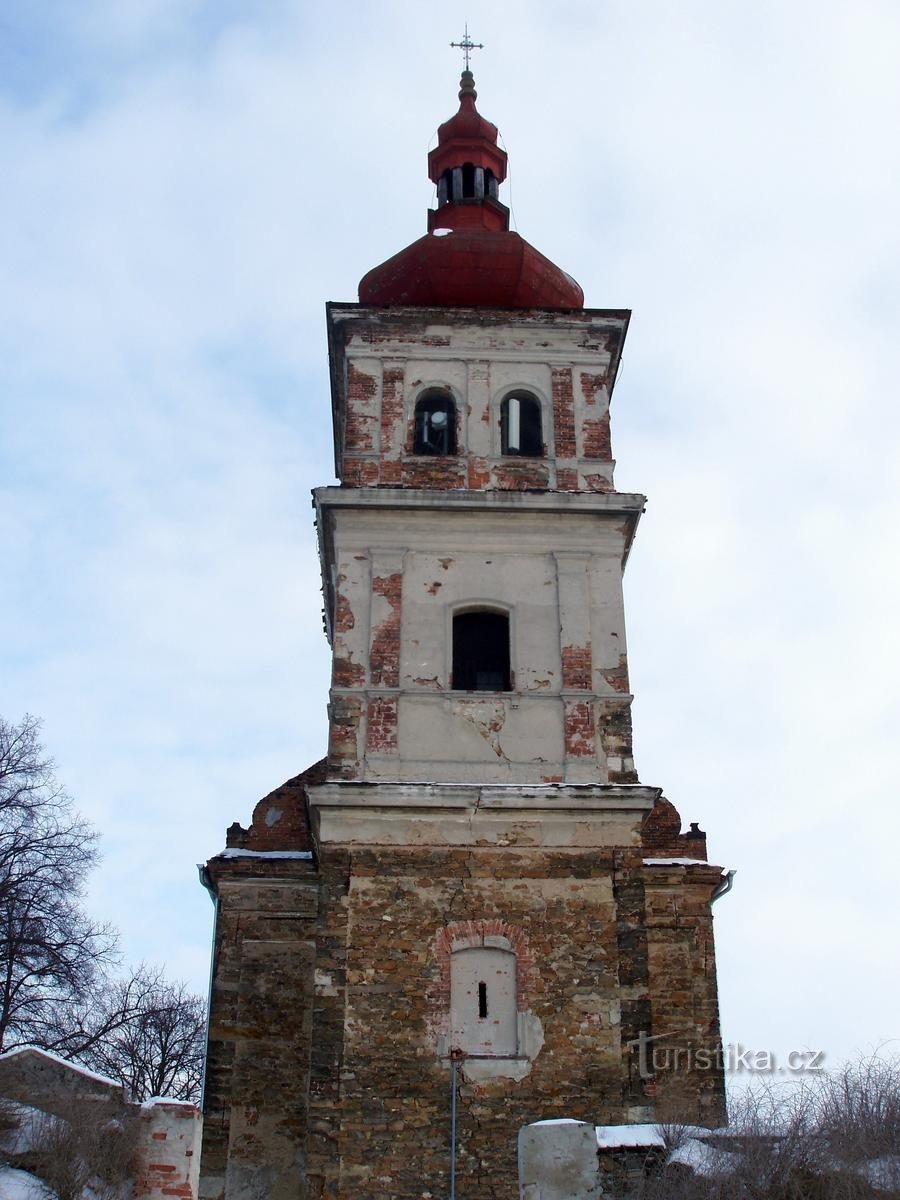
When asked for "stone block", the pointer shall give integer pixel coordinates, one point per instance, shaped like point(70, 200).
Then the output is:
point(558, 1161)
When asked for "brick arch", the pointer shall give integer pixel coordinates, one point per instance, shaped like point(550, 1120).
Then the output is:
point(463, 935)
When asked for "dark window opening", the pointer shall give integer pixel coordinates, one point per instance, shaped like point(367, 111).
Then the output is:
point(481, 652)
point(520, 422)
point(435, 424)
point(482, 1000)
point(468, 179)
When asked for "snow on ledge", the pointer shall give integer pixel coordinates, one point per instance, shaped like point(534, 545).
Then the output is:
point(168, 1101)
point(628, 1137)
point(559, 1121)
point(235, 852)
point(675, 862)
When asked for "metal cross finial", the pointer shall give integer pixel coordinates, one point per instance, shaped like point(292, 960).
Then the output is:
point(466, 45)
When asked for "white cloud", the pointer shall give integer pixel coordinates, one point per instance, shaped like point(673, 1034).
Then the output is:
point(184, 192)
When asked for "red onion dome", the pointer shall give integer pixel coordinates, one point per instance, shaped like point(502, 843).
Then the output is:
point(476, 267)
point(469, 256)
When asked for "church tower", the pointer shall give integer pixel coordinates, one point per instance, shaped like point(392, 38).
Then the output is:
point(473, 887)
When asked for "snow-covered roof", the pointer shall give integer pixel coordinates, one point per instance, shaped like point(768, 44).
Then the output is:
point(154, 1100)
point(64, 1062)
point(623, 1137)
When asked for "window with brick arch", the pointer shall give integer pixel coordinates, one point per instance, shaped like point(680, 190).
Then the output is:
point(481, 652)
point(483, 1001)
point(435, 424)
point(520, 425)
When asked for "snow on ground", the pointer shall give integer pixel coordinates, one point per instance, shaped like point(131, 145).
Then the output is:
point(19, 1185)
point(31, 1123)
point(702, 1158)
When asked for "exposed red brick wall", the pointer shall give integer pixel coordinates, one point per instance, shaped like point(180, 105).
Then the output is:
point(434, 472)
point(617, 677)
point(563, 412)
point(576, 667)
point(662, 837)
point(280, 819)
point(346, 673)
point(381, 737)
point(391, 426)
point(596, 438)
point(522, 475)
point(614, 727)
point(592, 386)
point(361, 389)
point(579, 729)
point(566, 479)
point(359, 472)
point(384, 660)
point(479, 475)
point(473, 933)
point(597, 483)
point(379, 336)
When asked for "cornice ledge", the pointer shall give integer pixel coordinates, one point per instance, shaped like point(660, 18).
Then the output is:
point(551, 797)
point(550, 501)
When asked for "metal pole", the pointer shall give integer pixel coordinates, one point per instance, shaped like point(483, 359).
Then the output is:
point(452, 1128)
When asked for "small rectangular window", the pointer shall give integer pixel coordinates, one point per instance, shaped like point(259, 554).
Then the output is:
point(481, 652)
point(520, 426)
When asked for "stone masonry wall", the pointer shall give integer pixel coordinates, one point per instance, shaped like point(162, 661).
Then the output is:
point(261, 1025)
point(325, 1075)
point(684, 1009)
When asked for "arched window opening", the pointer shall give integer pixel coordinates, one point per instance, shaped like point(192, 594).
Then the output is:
point(520, 423)
point(481, 652)
point(435, 424)
point(468, 180)
point(483, 1001)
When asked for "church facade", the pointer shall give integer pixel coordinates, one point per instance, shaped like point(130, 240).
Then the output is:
point(471, 902)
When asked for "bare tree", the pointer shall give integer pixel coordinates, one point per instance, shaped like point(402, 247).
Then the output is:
point(835, 1138)
point(859, 1119)
point(56, 986)
point(51, 952)
point(159, 1049)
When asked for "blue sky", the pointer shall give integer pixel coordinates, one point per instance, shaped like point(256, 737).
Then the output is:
point(186, 184)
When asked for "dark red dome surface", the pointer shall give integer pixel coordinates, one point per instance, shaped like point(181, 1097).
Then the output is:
point(470, 257)
point(495, 269)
